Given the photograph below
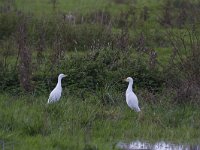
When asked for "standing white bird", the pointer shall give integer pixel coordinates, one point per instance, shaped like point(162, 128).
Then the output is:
point(131, 98)
point(56, 93)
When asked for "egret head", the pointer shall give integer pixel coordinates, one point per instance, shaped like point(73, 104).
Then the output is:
point(61, 75)
point(129, 79)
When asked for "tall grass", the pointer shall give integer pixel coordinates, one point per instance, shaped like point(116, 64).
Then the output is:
point(76, 123)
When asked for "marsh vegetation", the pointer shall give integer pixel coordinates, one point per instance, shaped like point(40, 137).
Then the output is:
point(98, 44)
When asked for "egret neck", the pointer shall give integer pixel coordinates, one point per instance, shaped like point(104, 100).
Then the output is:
point(130, 85)
point(58, 86)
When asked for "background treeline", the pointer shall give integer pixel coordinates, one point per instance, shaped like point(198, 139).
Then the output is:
point(158, 46)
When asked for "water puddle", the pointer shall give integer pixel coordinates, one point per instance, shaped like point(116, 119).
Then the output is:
point(138, 145)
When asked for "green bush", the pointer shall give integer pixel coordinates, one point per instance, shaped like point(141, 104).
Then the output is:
point(95, 70)
point(182, 73)
point(106, 67)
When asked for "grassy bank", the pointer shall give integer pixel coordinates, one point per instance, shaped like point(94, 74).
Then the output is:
point(76, 123)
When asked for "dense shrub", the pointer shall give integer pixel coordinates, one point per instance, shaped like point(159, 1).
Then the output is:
point(179, 13)
point(96, 70)
point(107, 67)
point(182, 74)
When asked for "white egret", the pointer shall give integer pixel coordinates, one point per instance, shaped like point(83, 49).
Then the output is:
point(56, 93)
point(131, 98)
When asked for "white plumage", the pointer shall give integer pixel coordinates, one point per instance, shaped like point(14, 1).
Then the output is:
point(56, 93)
point(131, 98)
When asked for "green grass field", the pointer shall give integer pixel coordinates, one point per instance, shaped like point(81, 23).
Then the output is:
point(73, 123)
point(81, 6)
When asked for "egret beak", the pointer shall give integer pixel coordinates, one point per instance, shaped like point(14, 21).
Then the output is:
point(125, 80)
point(65, 75)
